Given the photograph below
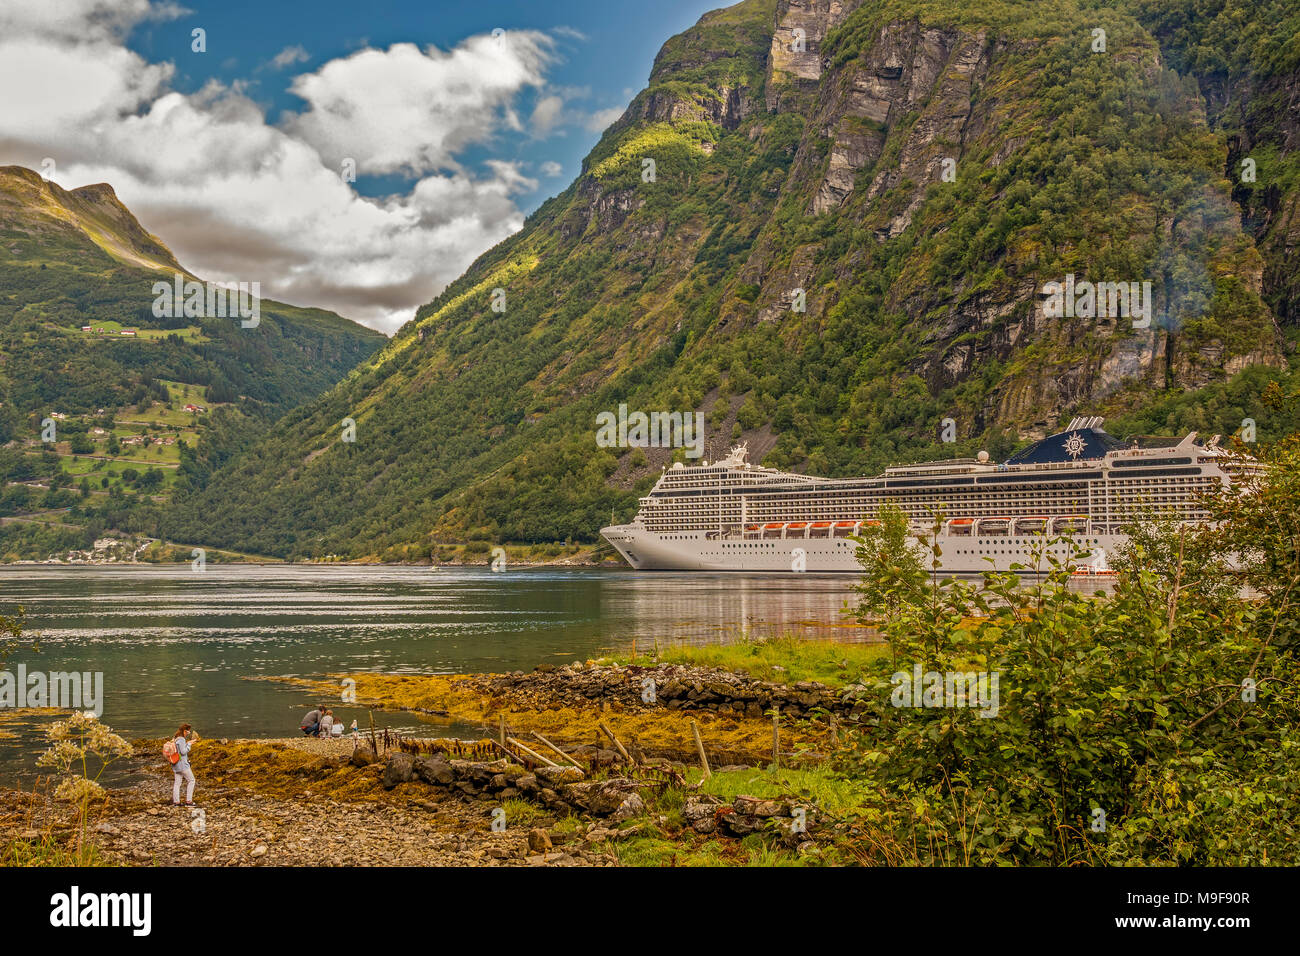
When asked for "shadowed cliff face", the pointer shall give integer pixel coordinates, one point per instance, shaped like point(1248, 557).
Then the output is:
point(1263, 117)
point(1247, 63)
point(827, 226)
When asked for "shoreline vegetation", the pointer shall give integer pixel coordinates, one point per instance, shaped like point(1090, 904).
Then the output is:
point(998, 722)
point(619, 779)
point(464, 555)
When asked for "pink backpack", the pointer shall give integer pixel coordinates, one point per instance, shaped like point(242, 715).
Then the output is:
point(170, 751)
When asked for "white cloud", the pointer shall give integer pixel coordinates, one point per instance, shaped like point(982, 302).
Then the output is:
point(410, 110)
point(289, 56)
point(239, 199)
point(82, 21)
point(546, 114)
point(569, 33)
point(551, 169)
point(597, 122)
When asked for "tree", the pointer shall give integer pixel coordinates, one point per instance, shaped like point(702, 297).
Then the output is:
point(893, 564)
point(1157, 724)
point(11, 633)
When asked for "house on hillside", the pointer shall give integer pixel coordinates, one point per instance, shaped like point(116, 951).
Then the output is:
point(198, 409)
point(127, 332)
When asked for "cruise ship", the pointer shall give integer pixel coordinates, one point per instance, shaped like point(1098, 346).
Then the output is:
point(1069, 494)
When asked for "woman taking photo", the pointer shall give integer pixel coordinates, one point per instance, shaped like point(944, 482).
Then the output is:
point(181, 768)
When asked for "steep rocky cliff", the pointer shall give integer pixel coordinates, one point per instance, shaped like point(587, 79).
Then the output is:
point(828, 226)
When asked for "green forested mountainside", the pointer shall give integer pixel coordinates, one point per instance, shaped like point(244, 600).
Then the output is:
point(804, 146)
point(76, 258)
point(1246, 56)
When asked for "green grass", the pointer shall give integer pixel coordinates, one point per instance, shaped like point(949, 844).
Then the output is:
point(521, 813)
point(49, 852)
point(112, 330)
point(677, 845)
point(652, 848)
point(162, 415)
point(782, 659)
point(819, 786)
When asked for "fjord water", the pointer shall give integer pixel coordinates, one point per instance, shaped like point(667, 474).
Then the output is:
point(177, 645)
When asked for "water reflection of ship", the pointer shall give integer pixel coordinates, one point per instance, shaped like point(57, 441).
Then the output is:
point(700, 609)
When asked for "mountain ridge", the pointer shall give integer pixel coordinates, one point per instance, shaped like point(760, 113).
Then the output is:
point(819, 172)
point(139, 404)
point(96, 202)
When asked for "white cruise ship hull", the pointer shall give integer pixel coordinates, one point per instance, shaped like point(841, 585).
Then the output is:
point(647, 550)
point(1072, 496)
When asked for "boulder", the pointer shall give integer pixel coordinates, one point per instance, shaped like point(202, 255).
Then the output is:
point(754, 806)
point(555, 776)
point(539, 841)
point(700, 813)
point(434, 770)
point(598, 755)
point(400, 768)
point(606, 797)
point(552, 800)
point(632, 806)
point(363, 756)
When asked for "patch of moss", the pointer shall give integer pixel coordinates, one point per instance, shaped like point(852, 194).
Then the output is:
point(728, 738)
point(781, 660)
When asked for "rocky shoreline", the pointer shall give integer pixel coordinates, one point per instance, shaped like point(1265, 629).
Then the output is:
point(595, 756)
point(676, 686)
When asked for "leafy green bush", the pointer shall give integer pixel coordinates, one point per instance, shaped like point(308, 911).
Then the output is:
point(1157, 724)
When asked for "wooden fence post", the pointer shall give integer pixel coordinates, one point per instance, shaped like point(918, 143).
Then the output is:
point(699, 748)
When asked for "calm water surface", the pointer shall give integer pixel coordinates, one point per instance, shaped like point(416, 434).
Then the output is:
point(176, 645)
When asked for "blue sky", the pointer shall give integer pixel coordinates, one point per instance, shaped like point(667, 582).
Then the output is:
point(239, 157)
point(611, 59)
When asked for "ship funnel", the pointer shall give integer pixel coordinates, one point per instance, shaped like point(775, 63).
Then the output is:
point(1085, 423)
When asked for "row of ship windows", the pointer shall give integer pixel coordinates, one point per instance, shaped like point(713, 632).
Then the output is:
point(949, 503)
point(1121, 482)
point(711, 519)
point(774, 545)
point(983, 501)
point(1057, 548)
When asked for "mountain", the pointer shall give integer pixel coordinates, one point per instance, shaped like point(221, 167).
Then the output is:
point(72, 259)
point(828, 226)
point(73, 256)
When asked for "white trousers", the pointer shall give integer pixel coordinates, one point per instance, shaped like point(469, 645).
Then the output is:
point(177, 775)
